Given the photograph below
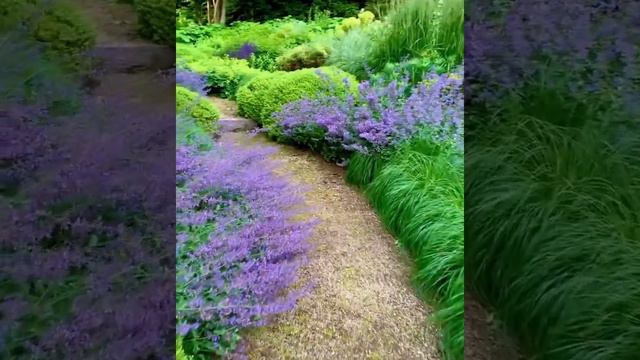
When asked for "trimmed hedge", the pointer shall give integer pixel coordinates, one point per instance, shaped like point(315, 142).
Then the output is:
point(157, 20)
point(204, 112)
point(267, 93)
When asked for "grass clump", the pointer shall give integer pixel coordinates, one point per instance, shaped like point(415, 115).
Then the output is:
point(419, 197)
point(418, 26)
point(552, 213)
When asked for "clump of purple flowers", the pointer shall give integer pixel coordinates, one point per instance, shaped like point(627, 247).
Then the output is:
point(379, 117)
point(583, 47)
point(244, 52)
point(238, 251)
point(191, 80)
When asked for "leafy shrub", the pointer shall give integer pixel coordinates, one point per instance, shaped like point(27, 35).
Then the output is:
point(223, 75)
point(348, 24)
point(237, 251)
point(157, 20)
point(263, 61)
point(188, 32)
point(304, 56)
point(226, 80)
point(28, 78)
point(273, 37)
point(202, 110)
point(267, 93)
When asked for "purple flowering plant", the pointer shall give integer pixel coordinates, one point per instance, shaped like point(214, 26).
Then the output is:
point(84, 271)
point(191, 80)
point(244, 52)
point(382, 115)
point(238, 251)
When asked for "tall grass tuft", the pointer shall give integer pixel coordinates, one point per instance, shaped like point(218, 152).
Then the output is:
point(420, 28)
point(419, 196)
point(363, 169)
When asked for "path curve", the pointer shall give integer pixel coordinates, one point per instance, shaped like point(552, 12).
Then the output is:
point(363, 305)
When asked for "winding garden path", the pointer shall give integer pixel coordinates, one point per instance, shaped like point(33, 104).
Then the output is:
point(362, 305)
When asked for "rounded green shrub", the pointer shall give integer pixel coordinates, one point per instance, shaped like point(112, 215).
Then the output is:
point(304, 56)
point(204, 112)
point(157, 20)
point(267, 93)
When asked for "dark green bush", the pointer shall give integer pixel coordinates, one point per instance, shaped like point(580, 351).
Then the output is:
point(157, 20)
point(203, 111)
point(267, 93)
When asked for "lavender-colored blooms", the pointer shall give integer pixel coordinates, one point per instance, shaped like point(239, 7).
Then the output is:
point(380, 116)
point(238, 249)
point(191, 80)
point(85, 230)
point(244, 52)
point(589, 46)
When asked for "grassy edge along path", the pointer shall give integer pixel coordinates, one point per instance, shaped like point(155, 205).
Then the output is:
point(362, 305)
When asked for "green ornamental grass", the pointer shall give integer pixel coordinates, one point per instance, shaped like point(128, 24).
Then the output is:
point(419, 195)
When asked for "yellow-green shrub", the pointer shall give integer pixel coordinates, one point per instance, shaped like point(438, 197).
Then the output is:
point(304, 56)
point(204, 112)
point(348, 24)
point(267, 93)
point(366, 17)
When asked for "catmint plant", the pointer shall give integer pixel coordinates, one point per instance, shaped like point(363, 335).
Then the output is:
point(379, 117)
point(238, 248)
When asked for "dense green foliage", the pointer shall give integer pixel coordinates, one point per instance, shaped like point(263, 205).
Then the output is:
point(204, 112)
point(263, 10)
point(58, 25)
point(223, 75)
point(267, 93)
point(156, 20)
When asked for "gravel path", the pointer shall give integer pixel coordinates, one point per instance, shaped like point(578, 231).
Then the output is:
point(363, 305)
